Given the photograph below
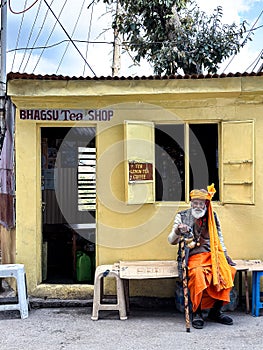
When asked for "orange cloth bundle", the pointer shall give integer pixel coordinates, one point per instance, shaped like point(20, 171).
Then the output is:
point(201, 287)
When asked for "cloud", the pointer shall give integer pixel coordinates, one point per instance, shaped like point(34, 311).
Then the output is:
point(232, 10)
point(45, 65)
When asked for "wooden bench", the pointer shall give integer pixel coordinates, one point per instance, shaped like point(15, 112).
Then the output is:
point(122, 272)
point(169, 269)
point(246, 266)
point(151, 269)
point(146, 269)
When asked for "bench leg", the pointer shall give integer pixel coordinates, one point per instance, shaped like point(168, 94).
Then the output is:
point(121, 299)
point(126, 285)
point(22, 294)
point(247, 293)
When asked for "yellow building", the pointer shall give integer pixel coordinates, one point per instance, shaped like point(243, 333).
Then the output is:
point(122, 155)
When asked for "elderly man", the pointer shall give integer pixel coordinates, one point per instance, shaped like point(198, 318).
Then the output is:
point(210, 271)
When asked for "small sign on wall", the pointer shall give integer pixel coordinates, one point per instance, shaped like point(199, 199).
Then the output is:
point(140, 171)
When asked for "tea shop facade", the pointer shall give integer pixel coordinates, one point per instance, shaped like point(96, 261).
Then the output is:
point(103, 165)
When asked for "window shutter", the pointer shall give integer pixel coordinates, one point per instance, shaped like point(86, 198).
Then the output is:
point(238, 162)
point(139, 162)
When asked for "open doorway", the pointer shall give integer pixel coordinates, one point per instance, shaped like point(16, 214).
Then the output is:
point(68, 184)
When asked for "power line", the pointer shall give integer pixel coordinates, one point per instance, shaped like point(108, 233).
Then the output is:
point(43, 47)
point(244, 41)
point(51, 32)
point(30, 35)
point(23, 11)
point(260, 68)
point(257, 59)
point(124, 43)
point(72, 33)
point(89, 31)
point(38, 35)
point(18, 35)
point(59, 43)
point(69, 38)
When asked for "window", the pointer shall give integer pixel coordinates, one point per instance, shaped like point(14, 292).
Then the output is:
point(86, 178)
point(139, 148)
point(203, 156)
point(238, 162)
point(186, 157)
point(169, 162)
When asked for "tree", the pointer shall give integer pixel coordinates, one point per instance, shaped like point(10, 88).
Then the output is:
point(176, 34)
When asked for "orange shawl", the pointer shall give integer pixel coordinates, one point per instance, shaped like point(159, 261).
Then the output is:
point(221, 271)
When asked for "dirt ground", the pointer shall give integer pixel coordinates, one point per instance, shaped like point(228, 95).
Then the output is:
point(155, 327)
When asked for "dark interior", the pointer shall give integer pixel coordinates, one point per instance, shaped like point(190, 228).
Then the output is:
point(62, 260)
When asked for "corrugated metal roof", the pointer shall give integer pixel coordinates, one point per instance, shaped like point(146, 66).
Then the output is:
point(26, 76)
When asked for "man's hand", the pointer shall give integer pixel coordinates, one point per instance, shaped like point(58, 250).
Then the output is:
point(182, 229)
point(230, 261)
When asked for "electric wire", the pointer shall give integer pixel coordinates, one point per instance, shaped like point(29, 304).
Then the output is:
point(124, 43)
point(59, 43)
point(18, 36)
point(30, 35)
point(72, 33)
point(70, 38)
point(260, 69)
point(37, 37)
point(256, 61)
point(20, 12)
point(260, 57)
point(51, 32)
point(244, 41)
point(88, 37)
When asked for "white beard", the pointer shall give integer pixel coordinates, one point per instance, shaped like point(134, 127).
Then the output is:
point(198, 213)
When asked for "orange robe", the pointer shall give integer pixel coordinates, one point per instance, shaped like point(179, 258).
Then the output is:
point(200, 284)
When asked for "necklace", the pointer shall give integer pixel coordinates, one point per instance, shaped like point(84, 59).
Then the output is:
point(194, 235)
point(199, 225)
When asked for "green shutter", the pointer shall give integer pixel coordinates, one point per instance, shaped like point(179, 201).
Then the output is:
point(139, 152)
point(238, 162)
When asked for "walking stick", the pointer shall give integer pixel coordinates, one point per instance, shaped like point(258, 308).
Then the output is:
point(185, 284)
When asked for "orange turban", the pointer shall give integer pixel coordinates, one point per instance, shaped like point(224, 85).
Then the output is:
point(203, 194)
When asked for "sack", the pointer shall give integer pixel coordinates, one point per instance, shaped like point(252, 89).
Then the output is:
point(232, 305)
point(179, 299)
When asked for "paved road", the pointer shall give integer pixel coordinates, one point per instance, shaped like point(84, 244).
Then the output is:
point(153, 328)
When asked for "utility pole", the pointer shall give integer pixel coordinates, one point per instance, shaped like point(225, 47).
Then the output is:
point(116, 60)
point(3, 69)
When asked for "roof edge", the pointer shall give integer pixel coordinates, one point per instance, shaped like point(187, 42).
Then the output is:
point(26, 76)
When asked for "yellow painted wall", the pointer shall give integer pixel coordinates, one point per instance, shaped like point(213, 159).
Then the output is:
point(133, 232)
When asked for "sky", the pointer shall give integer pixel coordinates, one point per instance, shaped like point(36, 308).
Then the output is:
point(37, 27)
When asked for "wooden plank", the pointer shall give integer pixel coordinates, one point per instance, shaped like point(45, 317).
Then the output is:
point(250, 265)
point(148, 269)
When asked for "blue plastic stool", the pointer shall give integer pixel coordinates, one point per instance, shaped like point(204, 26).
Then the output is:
point(256, 303)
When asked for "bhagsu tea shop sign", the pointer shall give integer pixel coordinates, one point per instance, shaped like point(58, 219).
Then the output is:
point(140, 171)
point(99, 115)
